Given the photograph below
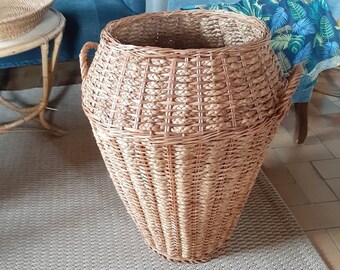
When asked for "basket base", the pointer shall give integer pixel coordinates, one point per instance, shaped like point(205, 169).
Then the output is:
point(206, 258)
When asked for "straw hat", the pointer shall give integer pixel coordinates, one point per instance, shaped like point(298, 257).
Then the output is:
point(18, 17)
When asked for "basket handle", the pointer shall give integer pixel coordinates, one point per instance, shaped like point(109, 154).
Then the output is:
point(83, 57)
point(286, 98)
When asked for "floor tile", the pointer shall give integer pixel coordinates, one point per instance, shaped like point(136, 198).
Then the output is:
point(278, 175)
point(275, 170)
point(335, 186)
point(318, 216)
point(313, 186)
point(333, 99)
point(334, 146)
point(282, 139)
point(288, 124)
point(328, 168)
point(281, 129)
point(335, 235)
point(325, 105)
point(335, 119)
point(326, 134)
point(287, 136)
point(311, 138)
point(292, 194)
point(271, 159)
point(326, 247)
point(300, 153)
point(317, 121)
point(291, 111)
point(312, 110)
point(330, 138)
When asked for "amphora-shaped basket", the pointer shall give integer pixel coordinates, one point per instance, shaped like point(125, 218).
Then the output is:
point(183, 106)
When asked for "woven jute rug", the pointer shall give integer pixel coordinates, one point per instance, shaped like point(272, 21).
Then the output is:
point(59, 209)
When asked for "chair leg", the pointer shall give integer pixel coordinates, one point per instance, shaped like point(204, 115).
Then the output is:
point(301, 124)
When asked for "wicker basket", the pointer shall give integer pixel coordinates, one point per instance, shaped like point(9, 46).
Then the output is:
point(18, 17)
point(183, 106)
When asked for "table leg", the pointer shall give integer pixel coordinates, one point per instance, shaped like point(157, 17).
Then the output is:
point(16, 108)
point(48, 74)
point(30, 113)
point(301, 126)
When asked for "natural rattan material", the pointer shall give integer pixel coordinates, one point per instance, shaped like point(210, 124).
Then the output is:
point(18, 17)
point(183, 106)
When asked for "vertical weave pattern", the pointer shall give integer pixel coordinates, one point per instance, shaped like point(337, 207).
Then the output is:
point(185, 199)
point(183, 106)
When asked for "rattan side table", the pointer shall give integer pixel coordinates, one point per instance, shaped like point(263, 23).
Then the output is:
point(50, 29)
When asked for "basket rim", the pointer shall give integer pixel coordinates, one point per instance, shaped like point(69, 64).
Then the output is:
point(109, 40)
point(41, 5)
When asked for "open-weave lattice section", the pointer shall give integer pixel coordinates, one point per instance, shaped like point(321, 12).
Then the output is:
point(161, 89)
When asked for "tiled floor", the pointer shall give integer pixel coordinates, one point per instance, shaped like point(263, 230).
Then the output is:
point(308, 176)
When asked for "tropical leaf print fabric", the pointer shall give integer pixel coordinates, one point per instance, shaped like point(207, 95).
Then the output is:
point(303, 31)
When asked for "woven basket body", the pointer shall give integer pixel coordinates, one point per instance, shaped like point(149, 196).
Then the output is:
point(183, 106)
point(18, 17)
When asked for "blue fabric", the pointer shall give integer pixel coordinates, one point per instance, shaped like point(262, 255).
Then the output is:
point(302, 31)
point(84, 21)
point(135, 6)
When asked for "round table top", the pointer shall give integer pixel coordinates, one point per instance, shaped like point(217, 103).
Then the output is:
point(51, 25)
